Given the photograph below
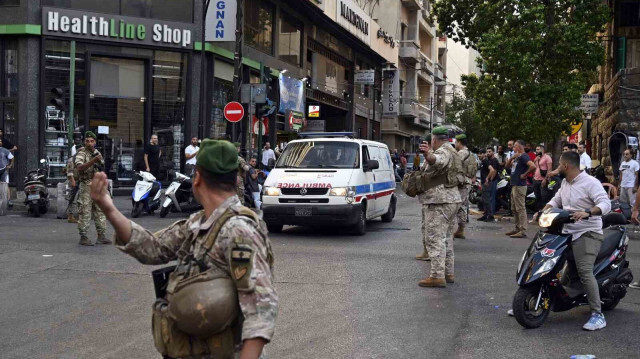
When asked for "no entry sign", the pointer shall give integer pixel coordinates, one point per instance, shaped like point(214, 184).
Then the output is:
point(233, 111)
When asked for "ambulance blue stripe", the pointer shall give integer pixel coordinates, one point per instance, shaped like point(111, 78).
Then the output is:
point(377, 187)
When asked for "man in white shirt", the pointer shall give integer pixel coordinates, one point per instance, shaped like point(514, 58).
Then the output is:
point(190, 154)
point(585, 159)
point(629, 175)
point(584, 196)
point(267, 154)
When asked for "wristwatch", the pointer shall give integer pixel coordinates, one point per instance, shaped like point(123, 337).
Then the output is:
point(588, 211)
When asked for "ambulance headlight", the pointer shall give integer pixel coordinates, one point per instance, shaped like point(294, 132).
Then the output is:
point(272, 191)
point(341, 191)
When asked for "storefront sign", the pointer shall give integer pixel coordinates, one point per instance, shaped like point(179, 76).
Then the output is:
point(314, 111)
point(390, 93)
point(115, 28)
point(354, 19)
point(292, 94)
point(589, 103)
point(295, 120)
point(387, 38)
point(265, 125)
point(365, 77)
point(315, 126)
point(221, 21)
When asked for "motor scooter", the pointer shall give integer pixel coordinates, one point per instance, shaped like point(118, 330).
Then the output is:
point(146, 194)
point(538, 276)
point(178, 197)
point(36, 197)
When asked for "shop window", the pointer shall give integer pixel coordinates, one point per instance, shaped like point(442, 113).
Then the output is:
point(9, 69)
point(258, 25)
point(9, 2)
point(107, 7)
point(222, 94)
point(632, 53)
point(629, 14)
point(290, 39)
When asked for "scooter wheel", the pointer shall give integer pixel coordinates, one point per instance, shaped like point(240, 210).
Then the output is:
point(137, 209)
point(524, 303)
point(164, 211)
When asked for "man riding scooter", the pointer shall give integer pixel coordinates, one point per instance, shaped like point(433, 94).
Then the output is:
point(583, 196)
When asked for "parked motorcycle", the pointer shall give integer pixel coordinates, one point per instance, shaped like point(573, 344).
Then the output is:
point(178, 197)
point(540, 289)
point(36, 197)
point(146, 194)
point(475, 194)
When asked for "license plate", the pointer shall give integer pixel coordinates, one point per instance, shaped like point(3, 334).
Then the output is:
point(303, 212)
point(33, 196)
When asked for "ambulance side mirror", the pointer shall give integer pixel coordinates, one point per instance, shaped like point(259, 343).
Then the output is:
point(371, 165)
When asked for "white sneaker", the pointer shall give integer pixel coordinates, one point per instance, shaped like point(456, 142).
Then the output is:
point(510, 312)
point(635, 285)
point(596, 322)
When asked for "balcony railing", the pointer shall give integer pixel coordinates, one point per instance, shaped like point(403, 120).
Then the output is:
point(409, 52)
point(408, 107)
point(412, 4)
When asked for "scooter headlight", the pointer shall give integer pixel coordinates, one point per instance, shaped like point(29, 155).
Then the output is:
point(272, 191)
point(546, 219)
point(547, 266)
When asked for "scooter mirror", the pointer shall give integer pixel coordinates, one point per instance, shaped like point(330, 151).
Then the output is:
point(43, 161)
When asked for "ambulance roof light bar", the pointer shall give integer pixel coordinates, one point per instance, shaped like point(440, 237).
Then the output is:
point(326, 134)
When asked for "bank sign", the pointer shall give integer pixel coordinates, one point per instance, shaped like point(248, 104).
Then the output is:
point(123, 29)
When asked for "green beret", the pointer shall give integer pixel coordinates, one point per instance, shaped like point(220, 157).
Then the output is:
point(217, 156)
point(427, 137)
point(90, 134)
point(439, 131)
point(461, 137)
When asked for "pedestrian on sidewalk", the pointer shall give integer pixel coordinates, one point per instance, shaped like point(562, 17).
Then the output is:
point(544, 164)
point(222, 301)
point(252, 182)
point(152, 154)
point(89, 162)
point(190, 154)
point(629, 178)
point(501, 156)
point(267, 154)
point(469, 167)
point(585, 159)
point(6, 162)
point(440, 204)
point(489, 179)
point(522, 166)
point(12, 149)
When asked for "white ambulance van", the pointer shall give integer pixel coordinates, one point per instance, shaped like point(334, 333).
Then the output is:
point(330, 179)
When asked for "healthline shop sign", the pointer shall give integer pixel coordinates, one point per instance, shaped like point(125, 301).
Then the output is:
point(116, 28)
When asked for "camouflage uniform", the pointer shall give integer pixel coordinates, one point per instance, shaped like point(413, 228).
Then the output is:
point(259, 303)
point(439, 207)
point(466, 156)
point(72, 207)
point(242, 170)
point(86, 208)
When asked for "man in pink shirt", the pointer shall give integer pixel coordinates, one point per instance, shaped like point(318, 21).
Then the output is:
point(544, 164)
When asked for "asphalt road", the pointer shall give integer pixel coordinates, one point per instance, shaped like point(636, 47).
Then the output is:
point(341, 297)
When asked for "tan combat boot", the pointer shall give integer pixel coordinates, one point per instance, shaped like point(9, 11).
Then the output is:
point(102, 239)
point(460, 232)
point(433, 283)
point(449, 278)
point(424, 256)
point(84, 241)
point(71, 218)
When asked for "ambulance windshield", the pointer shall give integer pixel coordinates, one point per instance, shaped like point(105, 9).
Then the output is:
point(320, 154)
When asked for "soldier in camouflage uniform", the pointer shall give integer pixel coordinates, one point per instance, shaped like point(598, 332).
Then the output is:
point(243, 168)
point(87, 159)
point(469, 167)
point(440, 204)
point(214, 186)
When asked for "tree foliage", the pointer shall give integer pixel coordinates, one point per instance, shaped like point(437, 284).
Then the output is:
point(538, 57)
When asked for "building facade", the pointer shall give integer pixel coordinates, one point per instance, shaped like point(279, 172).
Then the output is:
point(422, 62)
point(462, 61)
point(618, 117)
point(137, 72)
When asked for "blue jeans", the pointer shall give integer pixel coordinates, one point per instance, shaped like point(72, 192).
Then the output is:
point(489, 198)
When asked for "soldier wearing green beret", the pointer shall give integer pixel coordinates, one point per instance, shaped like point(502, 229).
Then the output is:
point(88, 162)
point(440, 201)
point(220, 300)
point(469, 167)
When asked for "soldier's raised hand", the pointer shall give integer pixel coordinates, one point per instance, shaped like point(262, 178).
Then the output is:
point(100, 191)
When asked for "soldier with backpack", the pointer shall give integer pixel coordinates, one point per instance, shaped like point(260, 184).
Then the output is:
point(469, 167)
point(219, 300)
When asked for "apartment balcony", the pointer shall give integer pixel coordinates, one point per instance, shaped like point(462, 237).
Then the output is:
point(409, 52)
point(426, 68)
point(408, 107)
point(424, 116)
point(412, 4)
point(439, 73)
point(438, 118)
